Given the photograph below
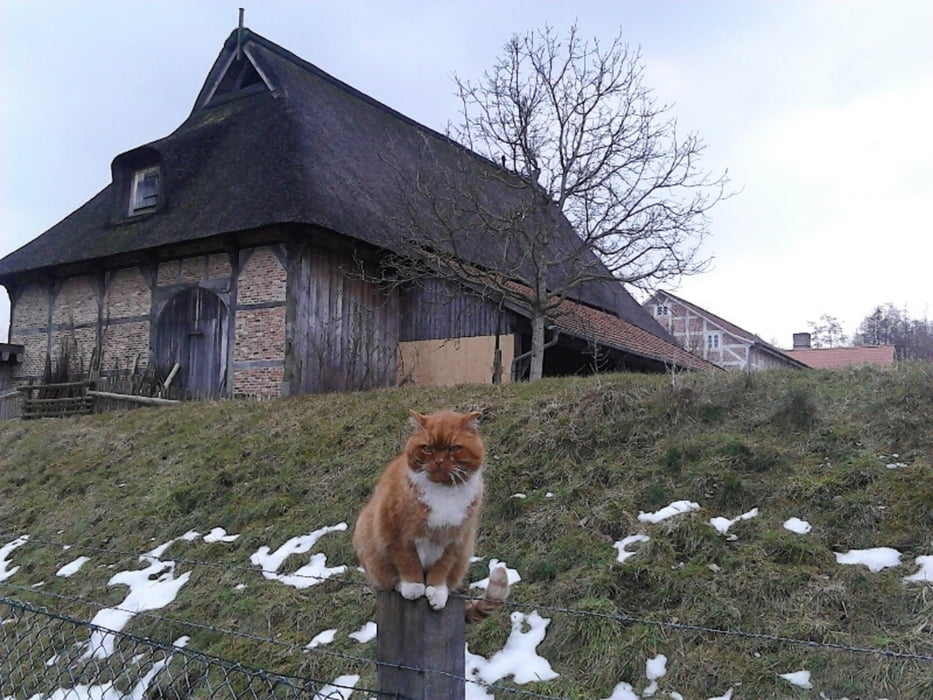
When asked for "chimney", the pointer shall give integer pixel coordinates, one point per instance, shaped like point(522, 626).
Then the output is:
point(801, 341)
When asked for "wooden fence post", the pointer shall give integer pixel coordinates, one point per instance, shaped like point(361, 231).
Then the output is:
point(412, 635)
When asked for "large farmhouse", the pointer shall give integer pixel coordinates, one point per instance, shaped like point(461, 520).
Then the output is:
point(246, 251)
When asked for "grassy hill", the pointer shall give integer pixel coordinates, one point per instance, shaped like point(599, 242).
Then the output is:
point(589, 455)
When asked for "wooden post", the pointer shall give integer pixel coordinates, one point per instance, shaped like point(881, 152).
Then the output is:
point(412, 635)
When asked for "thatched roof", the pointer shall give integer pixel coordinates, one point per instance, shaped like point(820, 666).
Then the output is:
point(294, 146)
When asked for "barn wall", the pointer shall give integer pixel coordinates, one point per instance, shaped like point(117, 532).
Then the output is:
point(434, 310)
point(111, 314)
point(125, 323)
point(259, 345)
point(455, 361)
point(341, 330)
point(29, 323)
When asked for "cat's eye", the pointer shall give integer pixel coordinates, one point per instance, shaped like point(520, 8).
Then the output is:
point(453, 449)
point(427, 449)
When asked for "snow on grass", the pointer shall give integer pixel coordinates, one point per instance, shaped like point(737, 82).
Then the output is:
point(799, 678)
point(675, 508)
point(623, 546)
point(876, 558)
point(518, 658)
point(364, 634)
point(321, 638)
point(723, 524)
point(151, 588)
point(341, 689)
point(73, 567)
point(926, 570)
point(514, 576)
point(5, 551)
point(801, 527)
point(623, 691)
point(107, 691)
point(654, 669)
point(218, 534)
point(313, 573)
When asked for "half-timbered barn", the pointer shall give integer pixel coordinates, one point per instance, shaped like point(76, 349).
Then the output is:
point(714, 338)
point(246, 251)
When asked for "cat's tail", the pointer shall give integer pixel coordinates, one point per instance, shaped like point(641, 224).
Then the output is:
point(496, 592)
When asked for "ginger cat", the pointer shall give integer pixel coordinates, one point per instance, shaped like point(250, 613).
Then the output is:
point(416, 533)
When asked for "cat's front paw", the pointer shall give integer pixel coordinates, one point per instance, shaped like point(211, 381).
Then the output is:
point(410, 590)
point(437, 596)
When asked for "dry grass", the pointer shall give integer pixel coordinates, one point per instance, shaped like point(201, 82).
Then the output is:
point(803, 444)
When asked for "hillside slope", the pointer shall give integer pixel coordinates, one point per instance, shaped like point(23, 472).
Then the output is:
point(572, 464)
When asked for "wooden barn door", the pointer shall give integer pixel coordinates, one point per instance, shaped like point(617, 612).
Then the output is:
point(192, 331)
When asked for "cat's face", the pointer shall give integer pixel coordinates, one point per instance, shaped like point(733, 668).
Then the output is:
point(445, 447)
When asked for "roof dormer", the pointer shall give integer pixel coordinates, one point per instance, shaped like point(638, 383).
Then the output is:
point(138, 183)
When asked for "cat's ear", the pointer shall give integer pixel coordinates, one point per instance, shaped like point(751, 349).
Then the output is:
point(418, 421)
point(471, 421)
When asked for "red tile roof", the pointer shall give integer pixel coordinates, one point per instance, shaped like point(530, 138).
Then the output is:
point(605, 329)
point(830, 358)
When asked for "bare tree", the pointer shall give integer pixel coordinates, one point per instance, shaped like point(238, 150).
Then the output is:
point(888, 325)
point(571, 134)
point(827, 332)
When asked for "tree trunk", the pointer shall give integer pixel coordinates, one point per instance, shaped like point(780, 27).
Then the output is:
point(537, 346)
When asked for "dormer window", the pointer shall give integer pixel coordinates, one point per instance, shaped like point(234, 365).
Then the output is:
point(145, 190)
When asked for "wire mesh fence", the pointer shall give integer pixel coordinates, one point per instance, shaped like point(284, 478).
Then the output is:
point(47, 656)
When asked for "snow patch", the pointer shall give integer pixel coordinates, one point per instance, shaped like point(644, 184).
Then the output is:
point(801, 527)
point(876, 558)
point(150, 589)
point(654, 669)
point(675, 508)
point(72, 567)
point(321, 638)
point(623, 546)
point(312, 573)
point(623, 691)
point(218, 534)
point(341, 689)
point(518, 658)
point(5, 551)
point(798, 678)
point(364, 634)
point(926, 570)
point(722, 524)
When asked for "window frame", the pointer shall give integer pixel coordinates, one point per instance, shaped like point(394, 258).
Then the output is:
point(151, 201)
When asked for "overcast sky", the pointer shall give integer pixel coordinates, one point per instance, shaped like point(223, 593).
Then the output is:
point(820, 110)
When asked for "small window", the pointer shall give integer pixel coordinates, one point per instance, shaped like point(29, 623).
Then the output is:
point(662, 310)
point(144, 194)
point(712, 341)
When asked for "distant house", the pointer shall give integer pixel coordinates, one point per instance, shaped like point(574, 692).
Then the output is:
point(714, 338)
point(832, 358)
point(244, 251)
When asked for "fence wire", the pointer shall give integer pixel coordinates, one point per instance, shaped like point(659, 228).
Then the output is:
point(47, 656)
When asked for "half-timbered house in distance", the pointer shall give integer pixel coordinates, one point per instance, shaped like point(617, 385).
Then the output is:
point(247, 247)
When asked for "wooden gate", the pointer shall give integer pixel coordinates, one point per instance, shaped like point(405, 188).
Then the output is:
point(192, 331)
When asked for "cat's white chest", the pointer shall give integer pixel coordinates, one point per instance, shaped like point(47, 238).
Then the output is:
point(448, 505)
